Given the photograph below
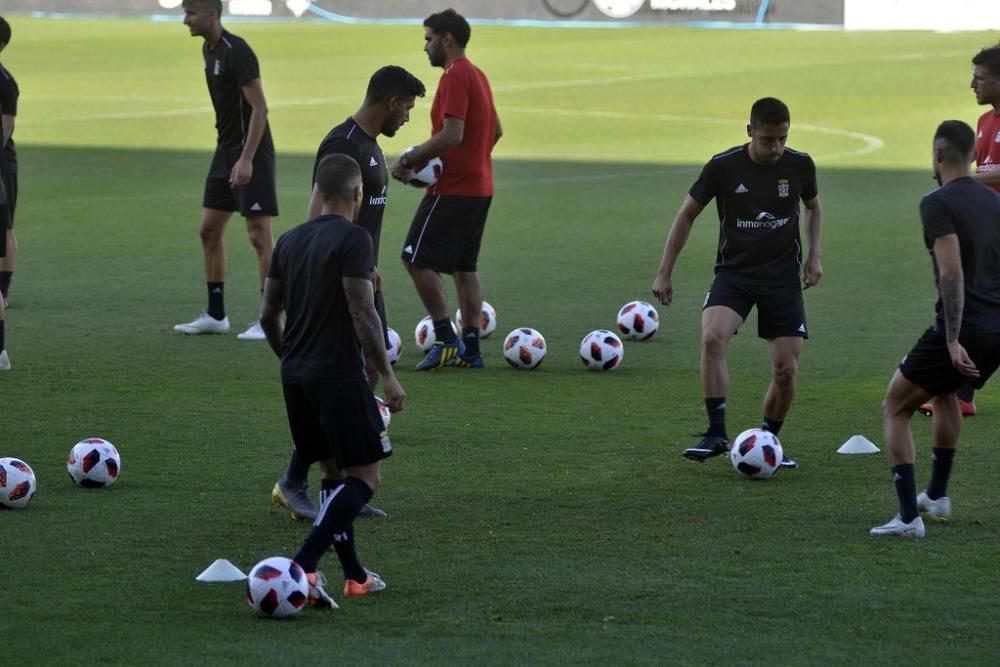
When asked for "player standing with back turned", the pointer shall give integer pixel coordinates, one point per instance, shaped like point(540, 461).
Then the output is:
point(9, 94)
point(757, 188)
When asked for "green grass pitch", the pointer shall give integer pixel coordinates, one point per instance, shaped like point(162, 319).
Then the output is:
point(536, 518)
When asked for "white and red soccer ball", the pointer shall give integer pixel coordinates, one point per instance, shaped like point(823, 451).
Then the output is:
point(395, 348)
point(277, 587)
point(601, 350)
point(488, 323)
point(638, 320)
point(524, 348)
point(756, 453)
point(17, 483)
point(424, 335)
point(425, 175)
point(94, 463)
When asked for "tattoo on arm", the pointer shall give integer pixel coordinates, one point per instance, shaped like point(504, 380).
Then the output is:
point(952, 291)
point(367, 325)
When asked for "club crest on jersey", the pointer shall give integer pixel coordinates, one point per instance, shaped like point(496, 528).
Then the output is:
point(218, 68)
point(783, 187)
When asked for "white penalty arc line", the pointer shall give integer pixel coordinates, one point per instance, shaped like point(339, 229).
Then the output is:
point(871, 142)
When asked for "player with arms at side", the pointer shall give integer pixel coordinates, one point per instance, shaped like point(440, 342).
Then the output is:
point(242, 174)
point(321, 279)
point(9, 94)
point(757, 188)
point(961, 224)
point(4, 214)
point(447, 228)
point(391, 94)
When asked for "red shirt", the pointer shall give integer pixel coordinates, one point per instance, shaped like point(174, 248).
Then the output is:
point(988, 144)
point(464, 93)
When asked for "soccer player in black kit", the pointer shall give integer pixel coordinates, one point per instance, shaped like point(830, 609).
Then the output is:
point(9, 94)
point(961, 224)
point(757, 188)
point(242, 174)
point(321, 279)
point(391, 94)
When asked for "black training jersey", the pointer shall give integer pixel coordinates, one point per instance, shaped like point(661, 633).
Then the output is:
point(758, 212)
point(348, 138)
point(9, 93)
point(228, 67)
point(972, 211)
point(319, 343)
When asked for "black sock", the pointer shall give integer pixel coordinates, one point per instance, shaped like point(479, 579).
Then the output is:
point(326, 489)
point(5, 278)
point(716, 409)
point(298, 471)
point(965, 393)
point(443, 331)
point(336, 516)
point(216, 303)
point(3, 336)
point(470, 338)
point(906, 491)
point(771, 425)
point(941, 470)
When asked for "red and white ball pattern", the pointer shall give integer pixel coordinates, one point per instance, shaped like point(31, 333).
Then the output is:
point(638, 320)
point(601, 350)
point(524, 348)
point(94, 463)
point(277, 587)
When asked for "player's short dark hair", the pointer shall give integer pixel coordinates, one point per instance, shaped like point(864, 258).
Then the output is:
point(959, 141)
point(768, 111)
point(393, 81)
point(4, 31)
point(450, 21)
point(210, 4)
point(336, 176)
point(990, 59)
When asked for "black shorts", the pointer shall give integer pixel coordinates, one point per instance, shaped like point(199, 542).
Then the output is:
point(10, 188)
point(446, 233)
point(928, 365)
point(337, 421)
point(258, 197)
point(780, 310)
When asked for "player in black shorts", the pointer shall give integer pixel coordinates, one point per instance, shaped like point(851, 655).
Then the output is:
point(9, 93)
point(961, 222)
point(757, 188)
point(391, 94)
point(241, 176)
point(321, 279)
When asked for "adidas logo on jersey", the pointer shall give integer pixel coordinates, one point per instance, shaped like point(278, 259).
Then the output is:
point(372, 162)
point(740, 189)
point(408, 250)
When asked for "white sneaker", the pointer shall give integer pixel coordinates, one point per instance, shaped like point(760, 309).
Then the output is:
point(4, 361)
point(204, 324)
point(253, 332)
point(938, 510)
point(896, 527)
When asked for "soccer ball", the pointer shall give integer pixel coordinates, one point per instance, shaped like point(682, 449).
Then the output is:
point(395, 348)
point(524, 348)
point(425, 175)
point(94, 463)
point(601, 350)
point(424, 333)
point(638, 320)
point(17, 483)
point(487, 325)
point(383, 409)
point(756, 453)
point(277, 587)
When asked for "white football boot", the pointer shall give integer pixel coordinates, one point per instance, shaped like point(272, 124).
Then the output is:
point(204, 324)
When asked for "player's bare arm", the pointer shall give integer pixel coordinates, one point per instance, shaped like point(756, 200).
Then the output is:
point(243, 169)
point(991, 177)
point(951, 286)
point(451, 135)
point(271, 307)
point(813, 223)
point(368, 327)
point(496, 137)
point(663, 288)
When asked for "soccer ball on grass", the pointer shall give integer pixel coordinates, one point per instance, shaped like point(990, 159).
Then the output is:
point(94, 463)
point(601, 350)
point(524, 348)
point(395, 349)
point(756, 453)
point(17, 483)
point(638, 320)
point(277, 587)
point(487, 324)
point(424, 333)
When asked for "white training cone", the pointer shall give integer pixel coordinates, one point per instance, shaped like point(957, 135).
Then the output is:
point(858, 444)
point(221, 570)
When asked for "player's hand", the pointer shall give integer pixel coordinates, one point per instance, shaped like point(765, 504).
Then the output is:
point(376, 280)
point(961, 361)
point(663, 289)
point(241, 173)
point(398, 171)
point(394, 394)
point(812, 272)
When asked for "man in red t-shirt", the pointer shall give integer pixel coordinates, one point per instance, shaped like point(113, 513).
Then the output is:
point(447, 228)
point(986, 85)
